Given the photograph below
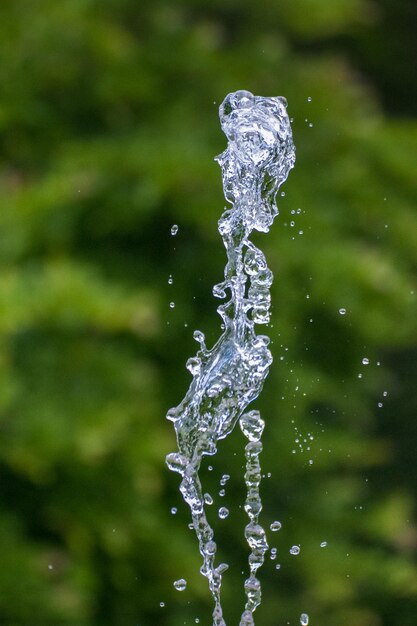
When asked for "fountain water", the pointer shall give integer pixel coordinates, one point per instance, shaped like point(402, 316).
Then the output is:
point(230, 375)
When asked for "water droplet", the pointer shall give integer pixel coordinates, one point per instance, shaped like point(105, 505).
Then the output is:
point(180, 584)
point(162, 604)
point(224, 479)
point(380, 405)
point(311, 125)
point(304, 619)
point(174, 229)
point(199, 337)
point(174, 510)
point(50, 566)
point(275, 526)
point(252, 425)
point(170, 280)
point(323, 544)
point(295, 550)
point(278, 566)
point(222, 493)
point(309, 99)
point(223, 512)
point(365, 361)
point(385, 393)
point(208, 499)
point(342, 311)
point(172, 305)
point(210, 548)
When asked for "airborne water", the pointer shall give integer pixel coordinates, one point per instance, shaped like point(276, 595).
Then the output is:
point(230, 375)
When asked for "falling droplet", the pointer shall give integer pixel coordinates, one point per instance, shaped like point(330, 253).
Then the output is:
point(342, 311)
point(172, 305)
point(309, 99)
point(323, 544)
point(174, 510)
point(295, 550)
point(275, 526)
point(304, 619)
point(208, 499)
point(252, 425)
point(180, 584)
point(365, 361)
point(174, 230)
point(223, 512)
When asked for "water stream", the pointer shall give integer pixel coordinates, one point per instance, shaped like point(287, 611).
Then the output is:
point(230, 375)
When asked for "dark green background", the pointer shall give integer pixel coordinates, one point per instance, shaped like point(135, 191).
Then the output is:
point(108, 129)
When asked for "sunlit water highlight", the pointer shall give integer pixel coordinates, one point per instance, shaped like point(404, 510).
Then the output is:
point(230, 375)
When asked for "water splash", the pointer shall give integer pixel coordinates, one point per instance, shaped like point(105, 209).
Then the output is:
point(230, 375)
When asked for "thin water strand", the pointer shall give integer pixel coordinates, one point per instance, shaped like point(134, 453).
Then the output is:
point(252, 426)
point(230, 375)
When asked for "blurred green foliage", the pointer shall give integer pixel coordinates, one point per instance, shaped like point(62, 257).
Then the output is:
point(108, 127)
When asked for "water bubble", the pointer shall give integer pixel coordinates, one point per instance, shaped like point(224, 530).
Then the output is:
point(309, 99)
point(323, 544)
point(380, 405)
point(170, 280)
point(385, 393)
point(275, 526)
point(295, 550)
point(278, 566)
point(365, 361)
point(162, 604)
point(174, 510)
point(311, 125)
point(342, 311)
point(304, 619)
point(172, 305)
point(174, 230)
point(222, 493)
point(273, 554)
point(223, 512)
point(180, 584)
